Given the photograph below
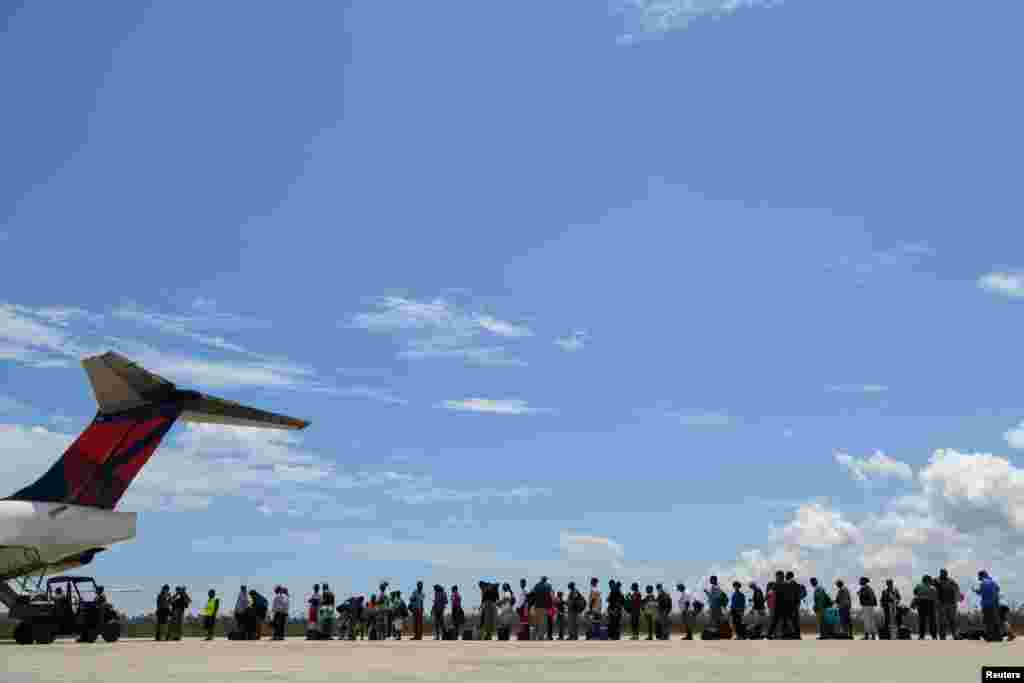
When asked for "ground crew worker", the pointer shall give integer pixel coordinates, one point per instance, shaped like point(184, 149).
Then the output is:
point(210, 613)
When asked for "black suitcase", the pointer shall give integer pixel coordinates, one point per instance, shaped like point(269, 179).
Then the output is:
point(449, 634)
point(504, 633)
point(467, 634)
point(903, 633)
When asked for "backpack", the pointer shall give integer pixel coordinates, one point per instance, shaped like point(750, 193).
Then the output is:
point(664, 602)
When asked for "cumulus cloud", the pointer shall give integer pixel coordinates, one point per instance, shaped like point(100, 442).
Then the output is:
point(857, 388)
point(586, 547)
point(439, 329)
point(975, 491)
point(574, 342)
point(1015, 436)
point(1005, 283)
point(818, 527)
point(511, 406)
point(878, 465)
point(655, 17)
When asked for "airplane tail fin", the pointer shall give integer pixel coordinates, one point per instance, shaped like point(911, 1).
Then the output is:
point(136, 410)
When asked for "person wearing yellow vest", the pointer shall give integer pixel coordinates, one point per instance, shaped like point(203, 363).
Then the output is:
point(210, 614)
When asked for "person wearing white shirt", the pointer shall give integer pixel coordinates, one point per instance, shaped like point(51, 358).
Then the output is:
point(686, 599)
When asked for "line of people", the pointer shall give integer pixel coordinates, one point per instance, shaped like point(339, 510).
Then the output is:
point(543, 613)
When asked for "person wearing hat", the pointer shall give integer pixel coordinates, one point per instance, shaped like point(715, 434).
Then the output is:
point(868, 608)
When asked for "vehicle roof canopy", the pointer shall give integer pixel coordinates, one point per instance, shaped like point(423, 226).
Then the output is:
point(72, 579)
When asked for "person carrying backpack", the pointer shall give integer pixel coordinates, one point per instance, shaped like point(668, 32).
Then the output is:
point(717, 602)
point(822, 601)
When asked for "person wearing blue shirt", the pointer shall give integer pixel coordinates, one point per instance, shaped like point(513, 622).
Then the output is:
point(737, 606)
point(416, 607)
point(988, 590)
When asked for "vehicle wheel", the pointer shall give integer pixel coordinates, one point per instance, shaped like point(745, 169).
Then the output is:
point(111, 632)
point(23, 633)
point(44, 634)
point(88, 636)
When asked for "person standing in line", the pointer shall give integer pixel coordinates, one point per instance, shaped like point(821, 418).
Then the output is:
point(925, 596)
point(595, 603)
point(616, 605)
point(560, 614)
point(210, 613)
point(777, 602)
point(437, 613)
point(540, 598)
point(313, 613)
point(327, 614)
point(844, 601)
point(822, 602)
point(949, 598)
point(650, 611)
point(664, 613)
point(868, 608)
point(737, 608)
point(797, 593)
point(416, 605)
point(488, 610)
point(757, 601)
point(458, 615)
point(717, 601)
point(636, 605)
point(686, 616)
point(280, 608)
point(163, 612)
point(179, 604)
point(259, 609)
point(988, 591)
point(890, 606)
point(241, 612)
point(577, 605)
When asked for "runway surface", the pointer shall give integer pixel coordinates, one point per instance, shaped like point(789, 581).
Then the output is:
point(195, 661)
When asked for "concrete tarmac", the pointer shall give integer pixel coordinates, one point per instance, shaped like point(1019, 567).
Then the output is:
point(194, 661)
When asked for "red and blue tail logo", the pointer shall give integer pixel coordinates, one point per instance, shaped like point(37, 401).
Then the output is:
point(99, 466)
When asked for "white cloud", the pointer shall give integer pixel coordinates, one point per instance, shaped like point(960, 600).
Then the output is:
point(817, 527)
point(439, 329)
point(655, 17)
point(877, 465)
point(704, 419)
point(857, 388)
point(182, 326)
point(574, 342)
point(433, 495)
point(1006, 284)
point(11, 405)
point(1015, 436)
point(975, 491)
point(581, 544)
point(362, 391)
point(899, 258)
point(510, 406)
point(502, 328)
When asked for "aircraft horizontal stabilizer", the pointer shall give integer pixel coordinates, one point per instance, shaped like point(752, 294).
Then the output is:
point(121, 385)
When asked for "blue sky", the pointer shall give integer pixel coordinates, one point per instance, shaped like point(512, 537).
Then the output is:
point(646, 289)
